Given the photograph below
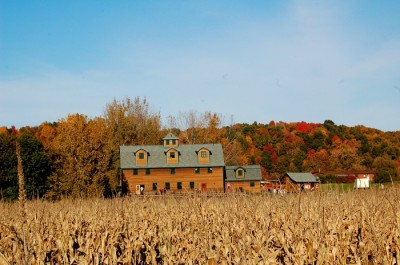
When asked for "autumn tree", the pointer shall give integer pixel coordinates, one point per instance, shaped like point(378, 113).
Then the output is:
point(268, 158)
point(130, 122)
point(345, 155)
point(233, 151)
point(212, 130)
point(199, 127)
point(317, 160)
point(46, 132)
point(82, 158)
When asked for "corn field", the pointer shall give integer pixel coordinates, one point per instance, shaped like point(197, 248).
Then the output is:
point(358, 227)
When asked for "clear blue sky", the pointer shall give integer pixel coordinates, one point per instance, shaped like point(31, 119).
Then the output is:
point(253, 60)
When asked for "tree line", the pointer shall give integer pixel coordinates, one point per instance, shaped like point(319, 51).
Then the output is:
point(78, 156)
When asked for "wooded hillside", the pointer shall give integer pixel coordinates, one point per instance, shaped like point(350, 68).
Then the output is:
point(79, 156)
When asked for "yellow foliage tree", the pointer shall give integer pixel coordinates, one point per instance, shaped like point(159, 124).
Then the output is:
point(82, 158)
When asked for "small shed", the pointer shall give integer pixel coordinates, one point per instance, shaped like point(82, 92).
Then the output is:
point(296, 181)
point(243, 178)
point(361, 183)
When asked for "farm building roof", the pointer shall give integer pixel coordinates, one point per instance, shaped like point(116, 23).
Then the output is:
point(251, 173)
point(301, 177)
point(170, 136)
point(157, 156)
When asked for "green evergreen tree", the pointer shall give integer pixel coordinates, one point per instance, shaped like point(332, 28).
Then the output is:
point(8, 167)
point(36, 165)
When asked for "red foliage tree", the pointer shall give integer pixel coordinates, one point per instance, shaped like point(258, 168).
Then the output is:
point(271, 150)
point(302, 127)
point(336, 139)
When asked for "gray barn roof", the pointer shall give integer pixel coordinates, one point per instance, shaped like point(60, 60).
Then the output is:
point(170, 136)
point(301, 177)
point(252, 173)
point(157, 156)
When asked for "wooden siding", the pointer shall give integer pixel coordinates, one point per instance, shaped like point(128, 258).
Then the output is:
point(204, 160)
point(170, 160)
point(213, 181)
point(243, 186)
point(141, 162)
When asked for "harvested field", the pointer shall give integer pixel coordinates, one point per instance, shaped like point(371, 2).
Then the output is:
point(360, 227)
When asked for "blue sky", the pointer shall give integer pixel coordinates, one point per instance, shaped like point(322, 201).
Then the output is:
point(250, 60)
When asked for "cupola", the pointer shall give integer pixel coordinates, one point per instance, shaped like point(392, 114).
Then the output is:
point(170, 141)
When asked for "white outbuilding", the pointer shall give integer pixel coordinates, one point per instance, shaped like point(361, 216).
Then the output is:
point(361, 183)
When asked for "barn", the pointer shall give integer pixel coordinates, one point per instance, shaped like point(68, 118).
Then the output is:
point(171, 167)
point(295, 181)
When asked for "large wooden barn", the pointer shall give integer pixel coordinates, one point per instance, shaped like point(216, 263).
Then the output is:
point(294, 182)
point(243, 178)
point(172, 167)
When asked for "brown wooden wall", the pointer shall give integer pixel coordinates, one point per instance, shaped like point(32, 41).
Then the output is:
point(244, 186)
point(214, 181)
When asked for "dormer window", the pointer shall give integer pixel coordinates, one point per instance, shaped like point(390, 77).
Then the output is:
point(172, 156)
point(141, 157)
point(240, 173)
point(203, 155)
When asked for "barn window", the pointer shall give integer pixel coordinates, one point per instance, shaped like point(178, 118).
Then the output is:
point(172, 171)
point(174, 142)
point(154, 186)
point(167, 142)
point(210, 170)
point(179, 185)
point(135, 171)
point(148, 172)
point(167, 185)
point(141, 155)
point(191, 184)
point(171, 154)
point(251, 183)
point(197, 170)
